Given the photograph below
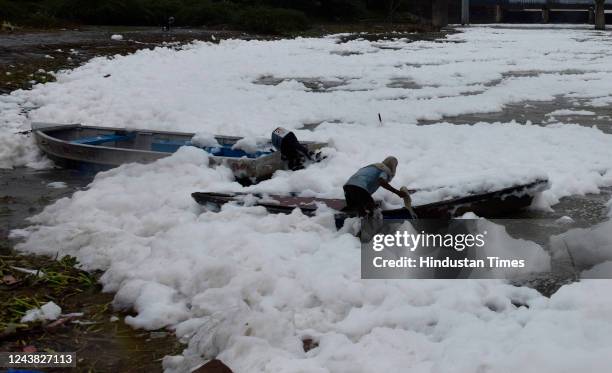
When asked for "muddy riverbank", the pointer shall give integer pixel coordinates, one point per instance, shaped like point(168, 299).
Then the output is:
point(28, 58)
point(31, 57)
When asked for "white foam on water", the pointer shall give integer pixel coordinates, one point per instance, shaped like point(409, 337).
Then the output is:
point(246, 286)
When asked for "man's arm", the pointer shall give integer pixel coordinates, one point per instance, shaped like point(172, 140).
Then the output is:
point(387, 186)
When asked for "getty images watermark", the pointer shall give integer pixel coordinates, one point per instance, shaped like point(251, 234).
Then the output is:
point(458, 242)
point(460, 248)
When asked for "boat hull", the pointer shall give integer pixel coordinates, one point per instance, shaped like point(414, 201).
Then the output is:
point(496, 204)
point(60, 144)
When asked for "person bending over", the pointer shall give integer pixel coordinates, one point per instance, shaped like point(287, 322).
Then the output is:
point(359, 188)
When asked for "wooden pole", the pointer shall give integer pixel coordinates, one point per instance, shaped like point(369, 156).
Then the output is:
point(545, 14)
point(600, 15)
point(439, 12)
point(465, 12)
point(499, 13)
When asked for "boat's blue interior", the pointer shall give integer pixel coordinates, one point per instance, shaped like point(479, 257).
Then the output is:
point(171, 146)
point(101, 139)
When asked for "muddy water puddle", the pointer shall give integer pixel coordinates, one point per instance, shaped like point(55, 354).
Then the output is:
point(312, 84)
point(559, 110)
point(25, 192)
point(406, 37)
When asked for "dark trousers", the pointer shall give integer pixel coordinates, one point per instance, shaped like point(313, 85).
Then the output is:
point(358, 200)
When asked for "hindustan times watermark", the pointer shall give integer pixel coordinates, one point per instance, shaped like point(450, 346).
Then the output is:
point(431, 262)
point(454, 249)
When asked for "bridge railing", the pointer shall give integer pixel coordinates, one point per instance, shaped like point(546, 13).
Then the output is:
point(535, 3)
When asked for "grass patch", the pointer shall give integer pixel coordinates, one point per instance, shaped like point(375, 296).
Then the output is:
point(51, 280)
point(13, 309)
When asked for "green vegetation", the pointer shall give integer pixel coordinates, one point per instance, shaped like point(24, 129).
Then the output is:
point(272, 20)
point(54, 280)
point(88, 331)
point(263, 16)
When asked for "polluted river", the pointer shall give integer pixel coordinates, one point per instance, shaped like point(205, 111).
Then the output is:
point(469, 109)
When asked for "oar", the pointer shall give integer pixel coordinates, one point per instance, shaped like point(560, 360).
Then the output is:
point(408, 200)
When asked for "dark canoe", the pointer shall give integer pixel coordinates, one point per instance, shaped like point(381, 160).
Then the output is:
point(497, 204)
point(91, 148)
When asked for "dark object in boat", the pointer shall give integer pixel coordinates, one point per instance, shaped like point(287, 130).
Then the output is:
point(92, 149)
point(291, 150)
point(497, 204)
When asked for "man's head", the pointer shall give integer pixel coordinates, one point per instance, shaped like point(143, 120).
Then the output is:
point(391, 163)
